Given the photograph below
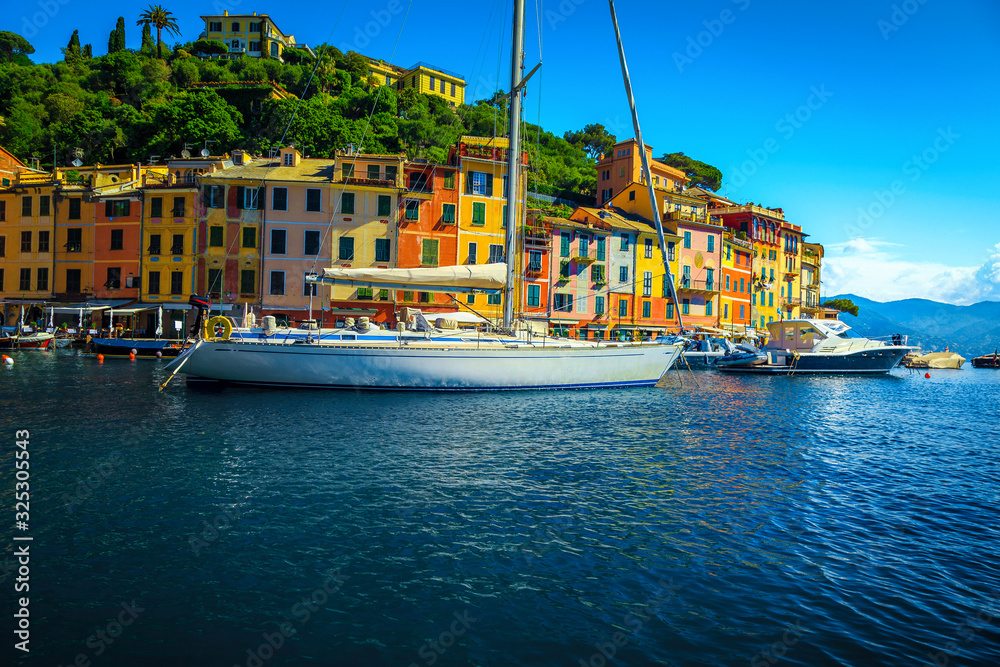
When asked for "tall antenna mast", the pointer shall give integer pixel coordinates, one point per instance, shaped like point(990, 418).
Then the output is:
point(668, 276)
point(513, 159)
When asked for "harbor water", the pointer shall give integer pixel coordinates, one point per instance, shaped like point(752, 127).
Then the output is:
point(713, 520)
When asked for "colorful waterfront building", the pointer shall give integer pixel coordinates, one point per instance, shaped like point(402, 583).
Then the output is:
point(812, 260)
point(117, 235)
point(253, 35)
point(579, 275)
point(427, 228)
point(229, 232)
point(422, 77)
point(790, 257)
point(366, 199)
point(735, 283)
point(27, 244)
point(622, 167)
point(537, 261)
point(481, 166)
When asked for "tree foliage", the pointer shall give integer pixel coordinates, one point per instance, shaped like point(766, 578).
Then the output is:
point(116, 40)
point(701, 174)
point(161, 19)
point(13, 45)
point(594, 139)
point(843, 305)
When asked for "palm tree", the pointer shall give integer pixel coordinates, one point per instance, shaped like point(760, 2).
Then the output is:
point(160, 18)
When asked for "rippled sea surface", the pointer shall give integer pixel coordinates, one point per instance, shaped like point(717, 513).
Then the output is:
point(717, 520)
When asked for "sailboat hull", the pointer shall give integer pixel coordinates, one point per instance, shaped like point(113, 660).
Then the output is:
point(427, 366)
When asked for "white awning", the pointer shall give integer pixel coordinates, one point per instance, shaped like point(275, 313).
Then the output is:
point(460, 317)
point(477, 277)
point(132, 310)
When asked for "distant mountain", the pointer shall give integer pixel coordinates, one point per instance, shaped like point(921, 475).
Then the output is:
point(968, 330)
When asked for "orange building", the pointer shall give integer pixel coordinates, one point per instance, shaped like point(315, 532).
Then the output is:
point(623, 166)
point(117, 238)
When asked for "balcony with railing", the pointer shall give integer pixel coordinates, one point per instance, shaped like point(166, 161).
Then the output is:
point(538, 234)
point(691, 285)
point(369, 182)
point(791, 301)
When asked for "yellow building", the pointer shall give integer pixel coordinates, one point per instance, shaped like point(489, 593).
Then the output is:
point(250, 35)
point(422, 77)
point(812, 260)
point(27, 243)
point(790, 257)
point(481, 164)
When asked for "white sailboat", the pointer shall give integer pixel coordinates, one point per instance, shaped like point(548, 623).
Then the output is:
point(442, 359)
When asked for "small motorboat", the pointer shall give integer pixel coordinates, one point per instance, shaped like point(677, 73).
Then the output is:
point(124, 347)
point(935, 360)
point(26, 338)
point(987, 361)
point(745, 355)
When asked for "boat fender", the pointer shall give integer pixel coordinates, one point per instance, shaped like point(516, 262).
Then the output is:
point(218, 327)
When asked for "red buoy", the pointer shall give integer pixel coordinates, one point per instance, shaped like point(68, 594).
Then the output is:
point(927, 375)
point(100, 357)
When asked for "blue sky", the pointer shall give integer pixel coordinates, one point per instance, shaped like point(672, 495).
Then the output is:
point(873, 124)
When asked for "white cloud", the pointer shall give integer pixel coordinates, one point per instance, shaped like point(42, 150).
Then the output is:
point(863, 267)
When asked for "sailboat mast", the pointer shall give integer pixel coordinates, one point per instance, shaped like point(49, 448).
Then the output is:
point(668, 276)
point(513, 160)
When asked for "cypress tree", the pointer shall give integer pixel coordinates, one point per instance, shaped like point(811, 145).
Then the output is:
point(116, 40)
point(73, 48)
point(147, 40)
point(88, 51)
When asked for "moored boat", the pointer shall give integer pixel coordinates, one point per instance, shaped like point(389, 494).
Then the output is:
point(123, 347)
point(22, 340)
point(935, 360)
point(987, 361)
point(824, 346)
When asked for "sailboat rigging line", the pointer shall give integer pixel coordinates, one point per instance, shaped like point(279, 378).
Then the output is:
point(645, 159)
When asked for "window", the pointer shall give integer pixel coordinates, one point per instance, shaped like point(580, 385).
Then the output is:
point(213, 196)
point(534, 261)
point(236, 26)
point(449, 180)
point(647, 283)
point(671, 250)
point(646, 309)
point(412, 209)
point(3, 211)
point(429, 254)
point(391, 171)
point(631, 195)
point(216, 236)
point(74, 239)
point(117, 239)
point(564, 245)
point(624, 245)
point(584, 248)
point(741, 311)
point(73, 281)
point(287, 160)
point(621, 172)
point(432, 83)
point(250, 197)
point(480, 183)
point(74, 208)
point(448, 214)
point(670, 311)
point(493, 299)
point(725, 311)
point(383, 250)
point(600, 249)
point(308, 288)
point(753, 299)
point(347, 203)
point(26, 209)
point(43, 241)
point(472, 254)
point(310, 242)
point(453, 90)
point(770, 299)
point(708, 307)
point(278, 241)
point(711, 243)
point(177, 245)
point(534, 295)
point(43, 207)
point(374, 172)
point(384, 204)
point(154, 244)
point(729, 254)
point(214, 281)
point(478, 213)
point(687, 240)
point(25, 241)
point(114, 280)
point(496, 253)
point(622, 307)
point(277, 287)
point(563, 303)
point(686, 276)
point(347, 170)
point(279, 196)
point(249, 237)
point(686, 307)
point(598, 305)
point(564, 270)
point(648, 251)
point(741, 286)
point(153, 282)
point(3, 247)
point(346, 248)
point(115, 208)
point(248, 281)
point(727, 282)
point(709, 278)
point(215, 26)
point(623, 274)
point(25, 283)
point(156, 207)
point(179, 206)
point(176, 282)
point(313, 199)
